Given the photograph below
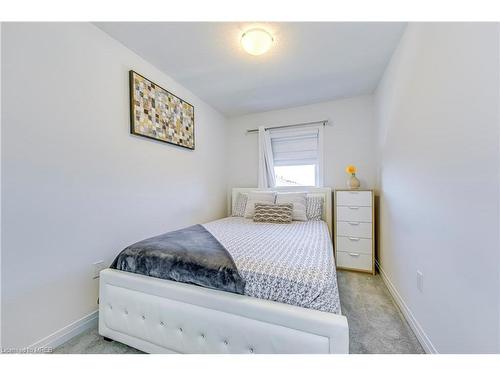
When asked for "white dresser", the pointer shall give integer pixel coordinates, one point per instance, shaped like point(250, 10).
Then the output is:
point(354, 230)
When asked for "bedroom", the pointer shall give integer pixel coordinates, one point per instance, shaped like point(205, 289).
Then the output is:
point(318, 187)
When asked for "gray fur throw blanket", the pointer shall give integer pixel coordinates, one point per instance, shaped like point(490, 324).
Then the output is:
point(191, 255)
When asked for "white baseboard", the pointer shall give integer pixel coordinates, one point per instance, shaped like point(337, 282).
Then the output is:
point(410, 318)
point(71, 330)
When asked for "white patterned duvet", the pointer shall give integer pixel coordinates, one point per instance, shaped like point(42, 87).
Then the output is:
point(289, 263)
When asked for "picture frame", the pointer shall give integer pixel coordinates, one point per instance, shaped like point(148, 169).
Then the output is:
point(157, 114)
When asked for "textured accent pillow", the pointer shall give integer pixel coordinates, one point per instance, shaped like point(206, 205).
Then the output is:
point(314, 207)
point(258, 197)
point(299, 204)
point(239, 205)
point(273, 213)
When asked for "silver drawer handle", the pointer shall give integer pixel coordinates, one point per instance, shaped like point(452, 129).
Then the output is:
point(353, 223)
point(354, 238)
point(353, 208)
point(354, 254)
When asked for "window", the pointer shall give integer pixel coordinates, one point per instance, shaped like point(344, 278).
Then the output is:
point(295, 175)
point(297, 156)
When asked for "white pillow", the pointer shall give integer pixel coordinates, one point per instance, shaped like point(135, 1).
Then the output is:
point(239, 205)
point(258, 197)
point(299, 204)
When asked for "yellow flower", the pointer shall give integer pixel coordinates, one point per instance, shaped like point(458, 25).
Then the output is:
point(351, 169)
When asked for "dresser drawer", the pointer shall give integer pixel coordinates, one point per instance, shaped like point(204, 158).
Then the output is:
point(354, 245)
point(354, 198)
point(354, 260)
point(354, 213)
point(354, 229)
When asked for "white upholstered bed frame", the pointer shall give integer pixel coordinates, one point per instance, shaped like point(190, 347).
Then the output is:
point(162, 316)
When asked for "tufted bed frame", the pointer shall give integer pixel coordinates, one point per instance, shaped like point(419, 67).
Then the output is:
point(162, 316)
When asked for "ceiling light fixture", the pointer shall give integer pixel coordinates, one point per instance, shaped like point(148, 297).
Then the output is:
point(256, 41)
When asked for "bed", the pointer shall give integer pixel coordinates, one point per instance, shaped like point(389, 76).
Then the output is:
point(290, 305)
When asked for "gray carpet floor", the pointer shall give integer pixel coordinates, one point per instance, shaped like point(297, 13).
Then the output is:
point(375, 322)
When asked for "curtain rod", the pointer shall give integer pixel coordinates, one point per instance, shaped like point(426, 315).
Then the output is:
point(324, 122)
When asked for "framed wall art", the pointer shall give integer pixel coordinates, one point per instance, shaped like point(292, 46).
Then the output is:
point(158, 114)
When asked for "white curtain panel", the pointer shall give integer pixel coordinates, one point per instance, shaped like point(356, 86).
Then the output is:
point(266, 162)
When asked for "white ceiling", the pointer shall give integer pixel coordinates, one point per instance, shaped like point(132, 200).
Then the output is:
point(308, 63)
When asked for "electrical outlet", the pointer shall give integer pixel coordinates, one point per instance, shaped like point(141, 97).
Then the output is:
point(420, 281)
point(97, 267)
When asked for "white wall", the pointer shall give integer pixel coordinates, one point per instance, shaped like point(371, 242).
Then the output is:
point(349, 139)
point(437, 111)
point(77, 187)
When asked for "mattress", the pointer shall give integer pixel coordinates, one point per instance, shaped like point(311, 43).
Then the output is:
point(288, 263)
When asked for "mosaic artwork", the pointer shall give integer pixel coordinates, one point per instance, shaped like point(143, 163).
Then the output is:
point(158, 114)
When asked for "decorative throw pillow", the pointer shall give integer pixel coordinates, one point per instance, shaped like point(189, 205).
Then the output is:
point(258, 197)
point(299, 204)
point(273, 213)
point(239, 205)
point(314, 207)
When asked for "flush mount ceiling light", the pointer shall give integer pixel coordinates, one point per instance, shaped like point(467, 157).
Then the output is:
point(256, 41)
